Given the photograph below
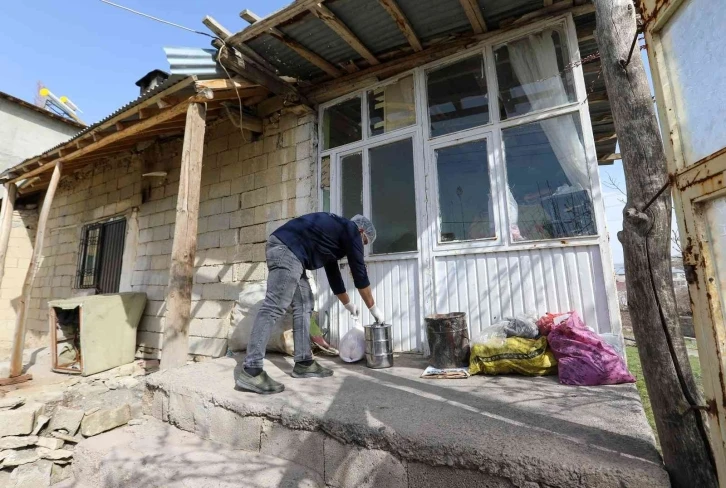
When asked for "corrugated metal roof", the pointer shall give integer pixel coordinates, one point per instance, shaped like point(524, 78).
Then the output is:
point(194, 61)
point(283, 58)
point(370, 22)
point(312, 33)
point(496, 10)
point(435, 18)
point(171, 81)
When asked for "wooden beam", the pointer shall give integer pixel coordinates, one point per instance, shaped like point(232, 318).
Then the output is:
point(329, 18)
point(403, 24)
point(241, 93)
point(225, 84)
point(306, 53)
point(248, 69)
point(473, 13)
point(215, 27)
point(279, 17)
point(16, 360)
point(164, 116)
point(250, 16)
point(6, 223)
point(181, 274)
point(547, 3)
point(610, 157)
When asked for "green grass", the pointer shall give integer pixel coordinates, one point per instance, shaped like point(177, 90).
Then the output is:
point(637, 370)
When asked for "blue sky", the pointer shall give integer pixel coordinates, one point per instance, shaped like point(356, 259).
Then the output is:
point(93, 53)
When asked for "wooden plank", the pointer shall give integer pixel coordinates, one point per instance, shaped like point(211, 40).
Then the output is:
point(306, 53)
point(6, 223)
point(17, 379)
point(248, 69)
point(250, 16)
point(164, 116)
point(288, 13)
point(270, 106)
point(402, 22)
point(181, 274)
point(473, 13)
point(329, 18)
point(215, 27)
point(16, 359)
point(225, 84)
point(646, 238)
point(240, 93)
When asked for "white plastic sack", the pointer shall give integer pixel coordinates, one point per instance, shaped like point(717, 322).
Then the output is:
point(353, 345)
point(243, 318)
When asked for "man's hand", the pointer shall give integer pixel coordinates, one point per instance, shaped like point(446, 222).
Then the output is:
point(377, 314)
point(352, 308)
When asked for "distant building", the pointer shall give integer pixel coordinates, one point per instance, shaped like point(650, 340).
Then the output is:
point(27, 130)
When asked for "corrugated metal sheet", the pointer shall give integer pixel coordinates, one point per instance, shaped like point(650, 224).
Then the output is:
point(283, 58)
point(395, 286)
point(189, 61)
point(497, 10)
point(435, 18)
point(171, 81)
point(494, 285)
point(370, 22)
point(312, 33)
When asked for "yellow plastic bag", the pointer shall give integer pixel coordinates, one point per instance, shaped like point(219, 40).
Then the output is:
point(530, 357)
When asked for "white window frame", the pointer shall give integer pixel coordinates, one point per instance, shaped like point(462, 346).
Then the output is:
point(424, 160)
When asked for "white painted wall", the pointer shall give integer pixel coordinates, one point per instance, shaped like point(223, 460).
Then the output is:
point(26, 133)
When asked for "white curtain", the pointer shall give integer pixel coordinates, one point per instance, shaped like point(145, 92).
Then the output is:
point(534, 61)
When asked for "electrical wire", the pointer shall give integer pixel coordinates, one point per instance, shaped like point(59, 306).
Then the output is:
point(158, 19)
point(219, 55)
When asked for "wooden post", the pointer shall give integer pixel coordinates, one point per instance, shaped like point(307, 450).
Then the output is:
point(6, 224)
point(179, 294)
point(646, 234)
point(16, 360)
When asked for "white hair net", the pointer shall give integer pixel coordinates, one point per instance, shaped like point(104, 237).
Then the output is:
point(366, 226)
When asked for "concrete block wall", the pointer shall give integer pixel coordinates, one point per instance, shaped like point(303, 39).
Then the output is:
point(17, 260)
point(250, 186)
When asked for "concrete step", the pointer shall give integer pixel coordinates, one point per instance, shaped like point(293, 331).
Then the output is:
point(392, 429)
point(155, 454)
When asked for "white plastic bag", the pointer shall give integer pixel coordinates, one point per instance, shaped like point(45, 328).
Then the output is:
point(494, 335)
point(353, 345)
point(243, 318)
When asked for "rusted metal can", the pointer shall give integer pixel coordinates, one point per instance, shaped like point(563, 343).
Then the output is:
point(448, 338)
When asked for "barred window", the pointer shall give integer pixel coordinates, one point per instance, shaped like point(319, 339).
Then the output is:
point(100, 256)
point(88, 264)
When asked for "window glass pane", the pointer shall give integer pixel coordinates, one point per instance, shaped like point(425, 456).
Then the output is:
point(458, 97)
point(90, 257)
point(352, 187)
point(531, 74)
point(693, 43)
point(342, 123)
point(393, 199)
point(391, 107)
point(465, 202)
point(325, 182)
point(549, 187)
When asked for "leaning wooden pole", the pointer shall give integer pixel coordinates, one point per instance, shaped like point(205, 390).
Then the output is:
point(179, 294)
point(6, 223)
point(645, 237)
point(16, 360)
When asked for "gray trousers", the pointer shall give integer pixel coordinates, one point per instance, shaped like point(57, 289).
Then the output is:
point(287, 284)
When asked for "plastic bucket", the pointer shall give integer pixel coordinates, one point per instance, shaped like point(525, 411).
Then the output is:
point(448, 338)
point(379, 346)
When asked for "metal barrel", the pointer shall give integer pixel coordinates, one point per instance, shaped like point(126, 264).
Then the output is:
point(379, 346)
point(448, 337)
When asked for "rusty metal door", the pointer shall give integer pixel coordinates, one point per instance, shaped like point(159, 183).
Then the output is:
point(686, 43)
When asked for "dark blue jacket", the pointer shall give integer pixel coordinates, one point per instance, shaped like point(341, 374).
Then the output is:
point(320, 240)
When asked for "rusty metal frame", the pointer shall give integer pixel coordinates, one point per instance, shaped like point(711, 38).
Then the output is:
point(695, 186)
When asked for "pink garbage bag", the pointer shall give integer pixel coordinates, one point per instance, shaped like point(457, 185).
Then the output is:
point(583, 358)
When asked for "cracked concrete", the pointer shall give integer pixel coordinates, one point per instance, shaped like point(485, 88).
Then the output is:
point(512, 431)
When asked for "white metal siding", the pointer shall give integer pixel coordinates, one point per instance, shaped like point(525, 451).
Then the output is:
point(488, 286)
point(395, 288)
